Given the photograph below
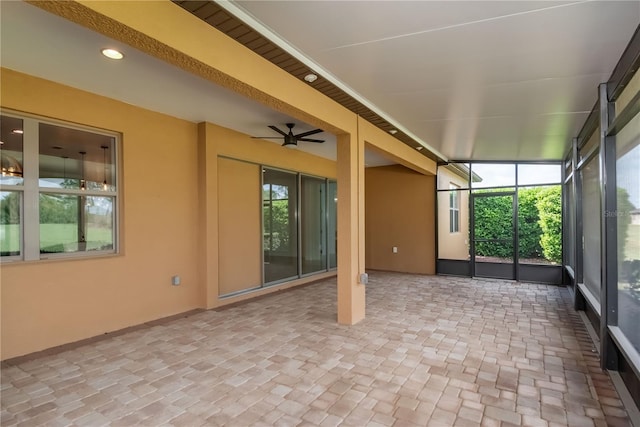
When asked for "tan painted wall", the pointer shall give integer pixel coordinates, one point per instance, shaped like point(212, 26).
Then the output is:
point(164, 213)
point(452, 245)
point(48, 303)
point(400, 211)
point(239, 226)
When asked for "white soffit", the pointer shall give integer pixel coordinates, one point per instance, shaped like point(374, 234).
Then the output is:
point(488, 80)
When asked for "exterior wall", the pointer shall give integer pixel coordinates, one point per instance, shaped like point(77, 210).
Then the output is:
point(49, 303)
point(400, 212)
point(452, 245)
point(169, 197)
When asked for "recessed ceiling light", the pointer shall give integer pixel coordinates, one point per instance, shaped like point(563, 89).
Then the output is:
point(17, 131)
point(310, 78)
point(393, 131)
point(420, 148)
point(112, 53)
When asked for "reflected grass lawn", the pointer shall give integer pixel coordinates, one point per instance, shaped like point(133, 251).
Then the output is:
point(54, 237)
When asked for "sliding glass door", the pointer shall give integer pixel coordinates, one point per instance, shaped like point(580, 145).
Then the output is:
point(280, 230)
point(313, 210)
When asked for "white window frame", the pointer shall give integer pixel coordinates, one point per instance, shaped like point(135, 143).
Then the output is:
point(30, 191)
point(454, 209)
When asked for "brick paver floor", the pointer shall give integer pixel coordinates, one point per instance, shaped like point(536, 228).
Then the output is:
point(432, 350)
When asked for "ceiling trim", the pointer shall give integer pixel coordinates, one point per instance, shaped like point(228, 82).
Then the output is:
point(246, 30)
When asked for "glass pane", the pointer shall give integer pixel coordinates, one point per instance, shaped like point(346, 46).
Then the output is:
point(332, 223)
point(591, 216)
point(11, 130)
point(628, 219)
point(493, 228)
point(487, 175)
point(453, 174)
point(569, 225)
point(10, 223)
point(75, 223)
point(76, 159)
point(452, 243)
point(280, 231)
point(313, 224)
point(540, 225)
point(539, 174)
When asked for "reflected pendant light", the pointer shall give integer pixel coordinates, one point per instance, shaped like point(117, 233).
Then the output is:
point(83, 185)
point(104, 164)
point(10, 165)
point(64, 168)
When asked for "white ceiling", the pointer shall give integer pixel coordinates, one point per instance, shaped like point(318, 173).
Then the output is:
point(473, 79)
point(504, 80)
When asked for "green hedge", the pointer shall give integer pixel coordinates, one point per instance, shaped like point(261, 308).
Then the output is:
point(539, 221)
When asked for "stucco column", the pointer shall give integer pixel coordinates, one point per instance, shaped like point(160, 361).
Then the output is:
point(208, 215)
point(351, 294)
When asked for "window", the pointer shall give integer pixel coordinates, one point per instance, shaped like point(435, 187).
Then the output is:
point(454, 209)
point(591, 233)
point(58, 187)
point(627, 216)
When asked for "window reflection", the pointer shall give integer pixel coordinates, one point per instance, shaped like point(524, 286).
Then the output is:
point(280, 227)
point(332, 223)
point(313, 225)
point(628, 222)
point(10, 223)
point(75, 159)
point(70, 223)
point(11, 142)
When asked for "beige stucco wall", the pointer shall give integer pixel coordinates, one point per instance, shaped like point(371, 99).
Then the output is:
point(400, 212)
point(169, 219)
point(49, 303)
point(452, 245)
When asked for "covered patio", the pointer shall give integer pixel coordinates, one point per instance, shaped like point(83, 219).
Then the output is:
point(432, 350)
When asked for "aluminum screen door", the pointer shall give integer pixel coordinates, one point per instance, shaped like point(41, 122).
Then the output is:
point(493, 236)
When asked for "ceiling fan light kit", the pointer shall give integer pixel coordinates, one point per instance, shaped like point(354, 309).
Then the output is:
point(291, 140)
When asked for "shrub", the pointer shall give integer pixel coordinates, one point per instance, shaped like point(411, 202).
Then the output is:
point(529, 227)
point(549, 206)
point(539, 224)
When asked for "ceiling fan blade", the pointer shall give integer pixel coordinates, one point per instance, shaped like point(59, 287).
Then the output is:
point(311, 132)
point(278, 130)
point(266, 137)
point(310, 140)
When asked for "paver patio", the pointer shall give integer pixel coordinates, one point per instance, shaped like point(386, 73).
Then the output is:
point(433, 350)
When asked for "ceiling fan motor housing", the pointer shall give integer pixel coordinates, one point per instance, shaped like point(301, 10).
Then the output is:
point(290, 140)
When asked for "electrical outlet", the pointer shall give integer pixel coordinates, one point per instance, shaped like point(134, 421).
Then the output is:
point(175, 280)
point(395, 249)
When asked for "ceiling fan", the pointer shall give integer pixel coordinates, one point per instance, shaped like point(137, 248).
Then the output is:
point(291, 140)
